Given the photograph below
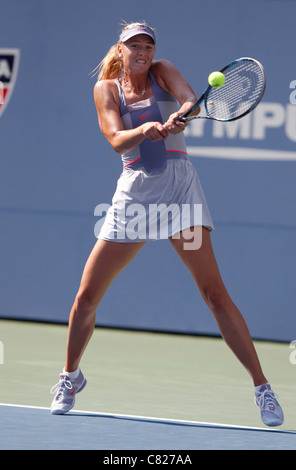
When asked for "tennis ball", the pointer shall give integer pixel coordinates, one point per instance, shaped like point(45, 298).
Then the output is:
point(216, 79)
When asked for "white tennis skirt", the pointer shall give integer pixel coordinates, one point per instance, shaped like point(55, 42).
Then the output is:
point(155, 206)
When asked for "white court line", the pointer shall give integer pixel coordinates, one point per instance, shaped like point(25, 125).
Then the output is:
point(158, 420)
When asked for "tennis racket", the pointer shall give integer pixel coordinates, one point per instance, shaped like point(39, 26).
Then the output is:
point(242, 91)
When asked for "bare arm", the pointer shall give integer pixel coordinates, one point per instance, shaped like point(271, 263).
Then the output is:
point(169, 77)
point(110, 122)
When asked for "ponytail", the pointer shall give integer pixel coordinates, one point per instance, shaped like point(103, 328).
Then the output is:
point(111, 66)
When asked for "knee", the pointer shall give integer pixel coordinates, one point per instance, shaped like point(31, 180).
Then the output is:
point(85, 302)
point(216, 298)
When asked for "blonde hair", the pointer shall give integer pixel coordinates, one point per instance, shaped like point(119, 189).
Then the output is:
point(112, 65)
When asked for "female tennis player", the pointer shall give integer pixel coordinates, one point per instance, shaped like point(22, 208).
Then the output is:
point(139, 101)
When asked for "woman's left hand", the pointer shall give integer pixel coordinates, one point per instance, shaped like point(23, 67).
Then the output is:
point(173, 125)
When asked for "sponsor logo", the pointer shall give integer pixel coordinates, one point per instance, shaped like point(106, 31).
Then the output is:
point(9, 62)
point(267, 133)
point(146, 115)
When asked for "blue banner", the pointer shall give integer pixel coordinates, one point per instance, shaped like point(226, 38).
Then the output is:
point(56, 166)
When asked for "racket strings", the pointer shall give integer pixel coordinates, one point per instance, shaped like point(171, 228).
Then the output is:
point(243, 88)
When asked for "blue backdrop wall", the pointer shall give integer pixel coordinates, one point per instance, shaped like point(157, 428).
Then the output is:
point(56, 167)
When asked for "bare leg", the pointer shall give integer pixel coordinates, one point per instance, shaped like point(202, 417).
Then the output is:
point(204, 269)
point(105, 262)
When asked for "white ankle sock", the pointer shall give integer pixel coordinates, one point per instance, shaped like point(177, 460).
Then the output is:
point(257, 389)
point(72, 375)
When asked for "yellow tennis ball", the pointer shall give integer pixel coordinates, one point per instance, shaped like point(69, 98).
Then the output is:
point(216, 79)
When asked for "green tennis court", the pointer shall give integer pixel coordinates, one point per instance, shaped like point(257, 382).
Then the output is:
point(146, 377)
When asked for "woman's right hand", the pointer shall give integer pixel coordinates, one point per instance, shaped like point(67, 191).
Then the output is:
point(154, 131)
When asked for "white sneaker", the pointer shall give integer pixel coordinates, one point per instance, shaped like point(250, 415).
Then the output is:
point(270, 409)
point(66, 390)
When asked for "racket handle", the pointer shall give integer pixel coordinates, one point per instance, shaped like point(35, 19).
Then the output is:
point(185, 115)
